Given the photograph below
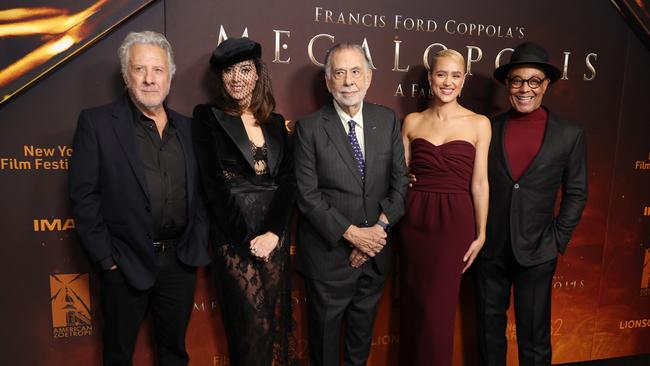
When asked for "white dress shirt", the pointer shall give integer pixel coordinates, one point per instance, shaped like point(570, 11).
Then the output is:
point(358, 126)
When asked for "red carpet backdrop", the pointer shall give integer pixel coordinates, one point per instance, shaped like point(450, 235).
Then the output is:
point(601, 299)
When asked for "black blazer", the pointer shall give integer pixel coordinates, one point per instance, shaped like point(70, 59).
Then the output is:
point(221, 144)
point(522, 212)
point(110, 200)
point(331, 194)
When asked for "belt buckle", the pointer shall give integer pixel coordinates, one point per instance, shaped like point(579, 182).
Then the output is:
point(160, 247)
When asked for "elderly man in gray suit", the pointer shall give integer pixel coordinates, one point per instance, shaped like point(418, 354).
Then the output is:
point(352, 182)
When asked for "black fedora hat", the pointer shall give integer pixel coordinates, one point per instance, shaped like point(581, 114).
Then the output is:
point(234, 50)
point(528, 53)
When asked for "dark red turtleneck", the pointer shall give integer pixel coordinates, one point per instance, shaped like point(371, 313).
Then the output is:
point(524, 138)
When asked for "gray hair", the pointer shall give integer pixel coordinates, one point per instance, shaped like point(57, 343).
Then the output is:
point(344, 46)
point(145, 37)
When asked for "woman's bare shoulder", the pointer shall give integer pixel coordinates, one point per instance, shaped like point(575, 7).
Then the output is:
point(475, 118)
point(412, 120)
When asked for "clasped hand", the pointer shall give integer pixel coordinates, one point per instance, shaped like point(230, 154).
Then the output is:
point(262, 246)
point(358, 258)
point(368, 240)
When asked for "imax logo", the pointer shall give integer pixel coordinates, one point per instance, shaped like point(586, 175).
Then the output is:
point(53, 224)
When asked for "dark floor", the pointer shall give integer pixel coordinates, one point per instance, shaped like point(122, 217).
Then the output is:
point(641, 360)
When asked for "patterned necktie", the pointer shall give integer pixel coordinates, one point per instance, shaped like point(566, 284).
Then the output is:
point(358, 156)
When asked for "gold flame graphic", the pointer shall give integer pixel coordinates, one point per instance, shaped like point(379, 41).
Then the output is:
point(60, 30)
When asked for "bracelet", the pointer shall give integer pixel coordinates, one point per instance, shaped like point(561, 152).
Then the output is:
point(384, 225)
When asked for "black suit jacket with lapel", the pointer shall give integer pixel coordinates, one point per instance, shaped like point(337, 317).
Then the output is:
point(110, 200)
point(221, 144)
point(331, 193)
point(523, 212)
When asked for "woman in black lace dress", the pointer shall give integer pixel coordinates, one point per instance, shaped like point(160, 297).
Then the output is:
point(246, 167)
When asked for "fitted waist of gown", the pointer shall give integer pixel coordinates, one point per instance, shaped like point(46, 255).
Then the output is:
point(445, 168)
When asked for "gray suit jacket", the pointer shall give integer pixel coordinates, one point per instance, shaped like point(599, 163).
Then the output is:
point(332, 195)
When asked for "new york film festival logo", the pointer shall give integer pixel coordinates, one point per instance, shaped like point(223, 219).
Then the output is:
point(37, 158)
point(642, 164)
point(70, 302)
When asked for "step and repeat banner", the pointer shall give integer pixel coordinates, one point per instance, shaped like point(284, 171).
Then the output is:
point(601, 291)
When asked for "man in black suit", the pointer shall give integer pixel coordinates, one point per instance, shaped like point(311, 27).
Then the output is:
point(135, 200)
point(352, 181)
point(533, 155)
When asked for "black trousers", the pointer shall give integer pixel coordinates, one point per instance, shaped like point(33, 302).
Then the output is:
point(532, 299)
point(354, 299)
point(170, 301)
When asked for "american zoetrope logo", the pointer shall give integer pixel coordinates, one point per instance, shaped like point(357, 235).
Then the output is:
point(70, 301)
point(645, 274)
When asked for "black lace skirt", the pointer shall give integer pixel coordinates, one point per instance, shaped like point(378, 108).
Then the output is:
point(255, 296)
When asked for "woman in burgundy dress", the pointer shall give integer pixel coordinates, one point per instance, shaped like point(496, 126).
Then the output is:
point(443, 230)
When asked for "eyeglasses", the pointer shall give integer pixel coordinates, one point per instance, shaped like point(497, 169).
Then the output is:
point(533, 82)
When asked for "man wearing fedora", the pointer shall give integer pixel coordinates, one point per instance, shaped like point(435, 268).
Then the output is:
point(533, 154)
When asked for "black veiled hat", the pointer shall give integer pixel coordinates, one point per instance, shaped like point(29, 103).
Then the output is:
point(234, 50)
point(528, 53)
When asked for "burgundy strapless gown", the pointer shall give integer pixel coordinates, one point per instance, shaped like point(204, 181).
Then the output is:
point(434, 235)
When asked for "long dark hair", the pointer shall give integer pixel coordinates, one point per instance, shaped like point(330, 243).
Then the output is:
point(262, 101)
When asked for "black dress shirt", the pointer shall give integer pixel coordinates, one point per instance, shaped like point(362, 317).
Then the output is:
point(164, 169)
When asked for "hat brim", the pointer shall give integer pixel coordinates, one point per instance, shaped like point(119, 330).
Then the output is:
point(551, 72)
